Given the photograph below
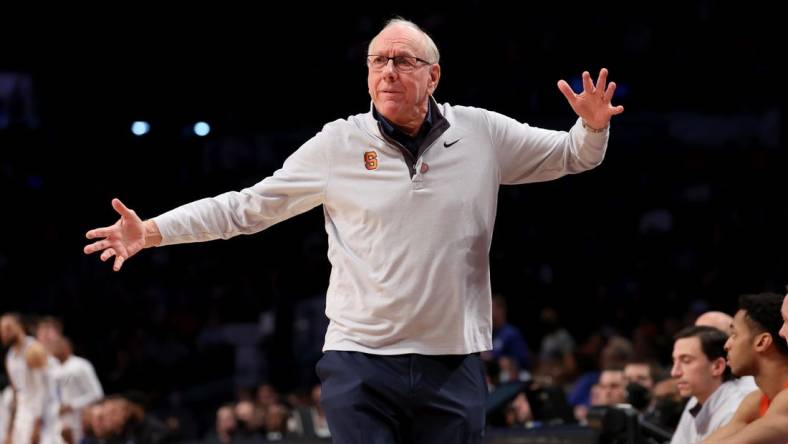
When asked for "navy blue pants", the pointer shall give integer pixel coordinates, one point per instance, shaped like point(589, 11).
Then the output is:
point(403, 399)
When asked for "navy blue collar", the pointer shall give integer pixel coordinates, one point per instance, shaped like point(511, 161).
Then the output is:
point(397, 134)
point(433, 126)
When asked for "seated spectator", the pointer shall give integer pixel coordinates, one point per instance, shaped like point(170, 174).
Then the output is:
point(123, 421)
point(755, 348)
point(616, 352)
point(311, 419)
point(276, 420)
point(668, 405)
point(641, 376)
point(702, 373)
point(611, 388)
point(643, 372)
point(226, 426)
point(507, 339)
point(250, 418)
point(557, 340)
point(724, 322)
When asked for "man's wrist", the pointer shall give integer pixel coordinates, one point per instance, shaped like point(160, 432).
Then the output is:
point(152, 234)
point(592, 129)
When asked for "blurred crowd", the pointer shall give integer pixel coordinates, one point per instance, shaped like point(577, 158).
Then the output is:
point(57, 397)
point(52, 396)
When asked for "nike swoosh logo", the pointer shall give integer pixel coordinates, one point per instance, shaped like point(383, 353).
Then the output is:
point(448, 144)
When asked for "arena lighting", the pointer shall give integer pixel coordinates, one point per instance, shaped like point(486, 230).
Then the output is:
point(202, 129)
point(140, 128)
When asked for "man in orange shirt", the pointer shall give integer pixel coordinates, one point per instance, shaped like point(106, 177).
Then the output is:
point(755, 348)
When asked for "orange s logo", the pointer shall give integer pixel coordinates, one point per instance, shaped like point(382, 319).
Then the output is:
point(371, 160)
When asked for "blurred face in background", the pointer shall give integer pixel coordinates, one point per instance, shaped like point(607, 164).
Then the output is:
point(498, 312)
point(639, 373)
point(316, 391)
point(115, 414)
point(611, 387)
point(225, 420)
point(521, 409)
point(267, 395)
point(48, 333)
point(10, 330)
point(276, 418)
point(96, 418)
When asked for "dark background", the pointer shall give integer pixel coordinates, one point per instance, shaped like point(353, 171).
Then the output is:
point(688, 210)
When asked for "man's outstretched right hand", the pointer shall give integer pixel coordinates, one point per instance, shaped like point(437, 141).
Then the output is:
point(123, 239)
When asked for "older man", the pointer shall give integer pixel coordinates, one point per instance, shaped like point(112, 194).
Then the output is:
point(409, 191)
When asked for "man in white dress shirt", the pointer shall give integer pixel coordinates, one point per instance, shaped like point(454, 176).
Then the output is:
point(700, 367)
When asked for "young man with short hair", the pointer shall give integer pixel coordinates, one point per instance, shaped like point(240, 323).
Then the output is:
point(702, 373)
point(755, 348)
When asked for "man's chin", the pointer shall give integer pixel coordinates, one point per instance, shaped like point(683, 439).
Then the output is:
point(390, 107)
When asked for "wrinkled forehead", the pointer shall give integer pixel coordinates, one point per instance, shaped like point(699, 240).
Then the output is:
point(399, 40)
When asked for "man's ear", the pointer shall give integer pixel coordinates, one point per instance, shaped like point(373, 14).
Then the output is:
point(718, 367)
point(763, 341)
point(435, 76)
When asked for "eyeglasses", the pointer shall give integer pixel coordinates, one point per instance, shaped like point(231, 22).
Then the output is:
point(401, 63)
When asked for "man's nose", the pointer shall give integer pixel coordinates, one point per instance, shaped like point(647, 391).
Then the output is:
point(390, 70)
